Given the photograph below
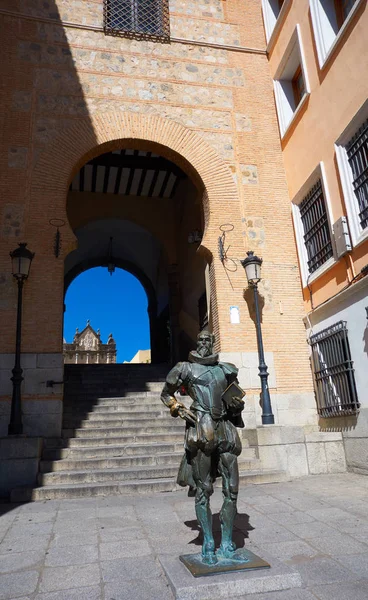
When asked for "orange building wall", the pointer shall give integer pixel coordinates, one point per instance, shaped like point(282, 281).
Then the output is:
point(337, 93)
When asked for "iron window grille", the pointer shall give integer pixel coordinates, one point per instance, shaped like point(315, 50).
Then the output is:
point(336, 393)
point(317, 237)
point(139, 19)
point(357, 152)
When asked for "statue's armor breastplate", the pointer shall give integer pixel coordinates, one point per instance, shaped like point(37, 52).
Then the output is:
point(206, 384)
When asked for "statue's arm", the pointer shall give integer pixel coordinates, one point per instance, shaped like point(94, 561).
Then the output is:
point(174, 380)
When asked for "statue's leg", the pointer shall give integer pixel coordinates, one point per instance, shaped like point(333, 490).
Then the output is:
point(202, 476)
point(228, 467)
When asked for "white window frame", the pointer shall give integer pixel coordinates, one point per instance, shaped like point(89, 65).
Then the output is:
point(318, 173)
point(357, 233)
point(293, 56)
point(273, 18)
point(324, 27)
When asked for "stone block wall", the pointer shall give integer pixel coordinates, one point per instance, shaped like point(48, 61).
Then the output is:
point(42, 406)
point(296, 451)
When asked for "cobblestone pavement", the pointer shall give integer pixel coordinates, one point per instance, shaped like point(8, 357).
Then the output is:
point(109, 548)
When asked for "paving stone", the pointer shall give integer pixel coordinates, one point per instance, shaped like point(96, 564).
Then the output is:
point(76, 514)
point(291, 551)
point(135, 548)
point(138, 588)
point(87, 593)
point(322, 570)
point(25, 530)
point(23, 583)
point(360, 534)
point(77, 539)
point(274, 508)
point(296, 516)
point(80, 504)
point(62, 578)
point(39, 507)
point(329, 515)
point(130, 568)
point(342, 591)
point(311, 530)
point(75, 526)
point(33, 543)
point(71, 555)
point(21, 560)
point(262, 535)
point(121, 533)
point(358, 563)
point(36, 517)
point(114, 521)
point(338, 545)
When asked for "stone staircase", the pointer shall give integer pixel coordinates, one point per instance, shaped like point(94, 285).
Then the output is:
point(118, 438)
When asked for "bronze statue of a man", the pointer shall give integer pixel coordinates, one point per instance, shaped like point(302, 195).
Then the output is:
point(212, 443)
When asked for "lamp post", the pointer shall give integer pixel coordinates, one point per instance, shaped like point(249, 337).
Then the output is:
point(21, 264)
point(252, 266)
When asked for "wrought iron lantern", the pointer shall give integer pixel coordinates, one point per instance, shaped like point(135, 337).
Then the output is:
point(252, 266)
point(21, 262)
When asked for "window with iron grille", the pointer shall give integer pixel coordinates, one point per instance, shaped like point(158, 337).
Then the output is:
point(137, 18)
point(357, 152)
point(317, 237)
point(333, 372)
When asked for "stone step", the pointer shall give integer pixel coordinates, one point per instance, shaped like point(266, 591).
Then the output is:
point(88, 490)
point(135, 411)
point(118, 451)
point(142, 403)
point(91, 464)
point(142, 486)
point(172, 459)
point(111, 451)
point(157, 429)
point(107, 475)
point(116, 440)
point(109, 420)
point(82, 399)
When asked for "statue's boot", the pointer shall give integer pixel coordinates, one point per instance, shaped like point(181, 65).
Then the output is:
point(227, 517)
point(204, 517)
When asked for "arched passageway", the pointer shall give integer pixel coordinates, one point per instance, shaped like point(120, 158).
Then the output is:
point(138, 210)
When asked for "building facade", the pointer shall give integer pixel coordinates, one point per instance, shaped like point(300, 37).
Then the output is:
point(317, 63)
point(160, 132)
point(88, 349)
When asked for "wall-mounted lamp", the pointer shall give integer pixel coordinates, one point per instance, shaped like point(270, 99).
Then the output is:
point(57, 240)
point(110, 260)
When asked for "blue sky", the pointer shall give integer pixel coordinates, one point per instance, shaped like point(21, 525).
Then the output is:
point(114, 303)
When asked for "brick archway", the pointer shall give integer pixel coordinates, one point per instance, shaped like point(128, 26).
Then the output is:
point(106, 132)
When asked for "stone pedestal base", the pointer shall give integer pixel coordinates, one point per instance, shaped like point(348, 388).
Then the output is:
point(227, 585)
point(242, 560)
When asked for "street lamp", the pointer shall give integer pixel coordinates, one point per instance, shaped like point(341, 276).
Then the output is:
point(252, 266)
point(21, 264)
